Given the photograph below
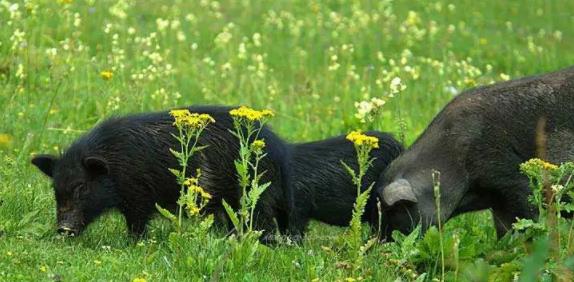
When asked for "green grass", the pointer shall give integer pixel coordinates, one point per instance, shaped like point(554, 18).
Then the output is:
point(51, 91)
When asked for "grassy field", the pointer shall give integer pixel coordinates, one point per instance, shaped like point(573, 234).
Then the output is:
point(66, 65)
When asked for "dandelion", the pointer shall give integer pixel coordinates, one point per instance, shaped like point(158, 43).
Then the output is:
point(250, 114)
point(360, 139)
point(106, 75)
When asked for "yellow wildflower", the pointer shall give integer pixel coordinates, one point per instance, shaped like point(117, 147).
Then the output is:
point(5, 140)
point(139, 280)
point(193, 120)
point(258, 145)
point(535, 162)
point(43, 268)
point(361, 139)
point(197, 189)
point(189, 182)
point(250, 114)
point(106, 75)
point(179, 113)
point(193, 210)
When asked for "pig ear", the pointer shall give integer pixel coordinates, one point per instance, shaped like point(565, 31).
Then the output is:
point(399, 190)
point(96, 166)
point(45, 163)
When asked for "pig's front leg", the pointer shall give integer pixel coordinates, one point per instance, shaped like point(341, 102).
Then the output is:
point(511, 204)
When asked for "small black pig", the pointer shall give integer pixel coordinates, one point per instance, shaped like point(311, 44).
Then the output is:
point(123, 164)
point(477, 143)
point(322, 187)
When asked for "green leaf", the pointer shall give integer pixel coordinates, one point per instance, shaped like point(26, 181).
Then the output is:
point(421, 277)
point(175, 172)
point(349, 170)
point(177, 154)
point(28, 218)
point(524, 224)
point(198, 148)
point(567, 207)
point(256, 191)
point(165, 213)
point(232, 215)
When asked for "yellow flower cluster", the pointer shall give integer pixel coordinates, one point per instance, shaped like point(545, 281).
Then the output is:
point(193, 185)
point(106, 75)
point(258, 145)
point(193, 210)
point(536, 162)
point(250, 114)
point(361, 139)
point(193, 120)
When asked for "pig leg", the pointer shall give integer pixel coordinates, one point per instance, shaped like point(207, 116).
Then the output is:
point(264, 220)
point(512, 203)
point(288, 227)
point(299, 218)
point(136, 220)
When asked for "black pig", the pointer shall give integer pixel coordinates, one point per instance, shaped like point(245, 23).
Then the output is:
point(322, 187)
point(123, 164)
point(477, 143)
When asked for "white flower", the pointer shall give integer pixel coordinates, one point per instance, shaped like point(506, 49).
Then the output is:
point(451, 90)
point(396, 86)
point(377, 102)
point(557, 188)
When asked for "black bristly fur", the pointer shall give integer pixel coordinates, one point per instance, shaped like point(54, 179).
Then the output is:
point(322, 187)
point(123, 164)
point(135, 150)
point(477, 142)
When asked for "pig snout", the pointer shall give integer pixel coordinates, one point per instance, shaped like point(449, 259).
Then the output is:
point(70, 223)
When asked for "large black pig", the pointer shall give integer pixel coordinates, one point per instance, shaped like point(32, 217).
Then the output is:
point(477, 143)
point(322, 187)
point(123, 164)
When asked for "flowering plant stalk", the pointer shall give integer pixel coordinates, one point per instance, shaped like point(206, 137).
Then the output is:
point(193, 198)
point(247, 124)
point(363, 146)
point(550, 183)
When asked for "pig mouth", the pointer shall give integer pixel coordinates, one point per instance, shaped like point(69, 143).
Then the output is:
point(69, 230)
